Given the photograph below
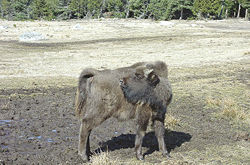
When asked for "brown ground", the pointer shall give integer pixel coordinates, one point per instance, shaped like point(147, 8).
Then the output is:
point(209, 119)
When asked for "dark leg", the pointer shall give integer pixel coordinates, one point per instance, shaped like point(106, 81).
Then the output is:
point(159, 132)
point(88, 146)
point(84, 147)
point(138, 141)
point(142, 123)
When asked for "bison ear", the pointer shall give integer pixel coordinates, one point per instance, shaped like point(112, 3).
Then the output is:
point(152, 77)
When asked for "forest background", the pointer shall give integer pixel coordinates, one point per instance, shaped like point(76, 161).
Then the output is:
point(139, 9)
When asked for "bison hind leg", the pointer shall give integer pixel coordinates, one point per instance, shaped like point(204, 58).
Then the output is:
point(84, 146)
point(160, 132)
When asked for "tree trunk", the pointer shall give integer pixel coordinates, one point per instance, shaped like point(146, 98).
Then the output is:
point(181, 14)
point(238, 15)
point(127, 8)
point(221, 11)
point(246, 14)
point(102, 8)
point(1, 11)
point(226, 13)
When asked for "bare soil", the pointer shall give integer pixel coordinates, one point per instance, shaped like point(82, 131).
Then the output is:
point(208, 60)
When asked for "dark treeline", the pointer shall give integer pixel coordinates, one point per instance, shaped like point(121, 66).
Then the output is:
point(144, 9)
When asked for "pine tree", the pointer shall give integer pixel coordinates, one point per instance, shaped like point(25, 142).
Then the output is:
point(38, 9)
point(207, 8)
point(78, 8)
point(6, 8)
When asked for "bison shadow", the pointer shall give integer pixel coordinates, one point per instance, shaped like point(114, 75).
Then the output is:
point(173, 139)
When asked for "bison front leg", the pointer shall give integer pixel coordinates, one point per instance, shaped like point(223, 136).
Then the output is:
point(160, 132)
point(142, 123)
point(140, 133)
point(84, 147)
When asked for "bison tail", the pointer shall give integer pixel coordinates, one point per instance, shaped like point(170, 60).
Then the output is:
point(79, 102)
point(82, 91)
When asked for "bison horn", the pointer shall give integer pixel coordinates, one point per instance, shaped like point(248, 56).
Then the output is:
point(147, 72)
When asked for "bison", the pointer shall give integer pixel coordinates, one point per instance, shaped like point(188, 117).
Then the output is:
point(141, 91)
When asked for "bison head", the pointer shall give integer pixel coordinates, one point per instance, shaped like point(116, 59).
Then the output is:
point(139, 86)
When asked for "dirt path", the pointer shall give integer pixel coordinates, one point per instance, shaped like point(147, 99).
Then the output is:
point(209, 71)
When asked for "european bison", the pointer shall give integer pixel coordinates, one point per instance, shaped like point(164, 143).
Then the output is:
point(101, 95)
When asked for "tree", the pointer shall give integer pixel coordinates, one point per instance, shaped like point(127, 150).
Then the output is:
point(184, 9)
point(6, 8)
point(207, 8)
point(139, 8)
point(154, 9)
point(94, 8)
point(1, 9)
point(116, 7)
point(38, 9)
point(230, 8)
point(158, 9)
point(179, 9)
point(63, 11)
point(243, 4)
point(246, 6)
point(239, 8)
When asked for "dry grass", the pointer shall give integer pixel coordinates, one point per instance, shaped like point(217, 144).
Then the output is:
point(237, 153)
point(211, 102)
point(171, 122)
point(228, 108)
point(103, 159)
point(5, 105)
point(247, 53)
point(231, 110)
point(37, 82)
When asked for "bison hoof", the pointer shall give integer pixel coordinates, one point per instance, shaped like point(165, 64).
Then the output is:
point(166, 155)
point(140, 157)
point(84, 158)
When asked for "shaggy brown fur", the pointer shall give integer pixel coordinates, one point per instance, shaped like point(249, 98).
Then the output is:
point(138, 89)
point(99, 96)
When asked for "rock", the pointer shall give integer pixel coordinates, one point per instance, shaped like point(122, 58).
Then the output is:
point(3, 27)
point(31, 36)
point(167, 23)
point(77, 27)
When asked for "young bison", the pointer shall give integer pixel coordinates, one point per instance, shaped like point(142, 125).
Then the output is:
point(100, 95)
